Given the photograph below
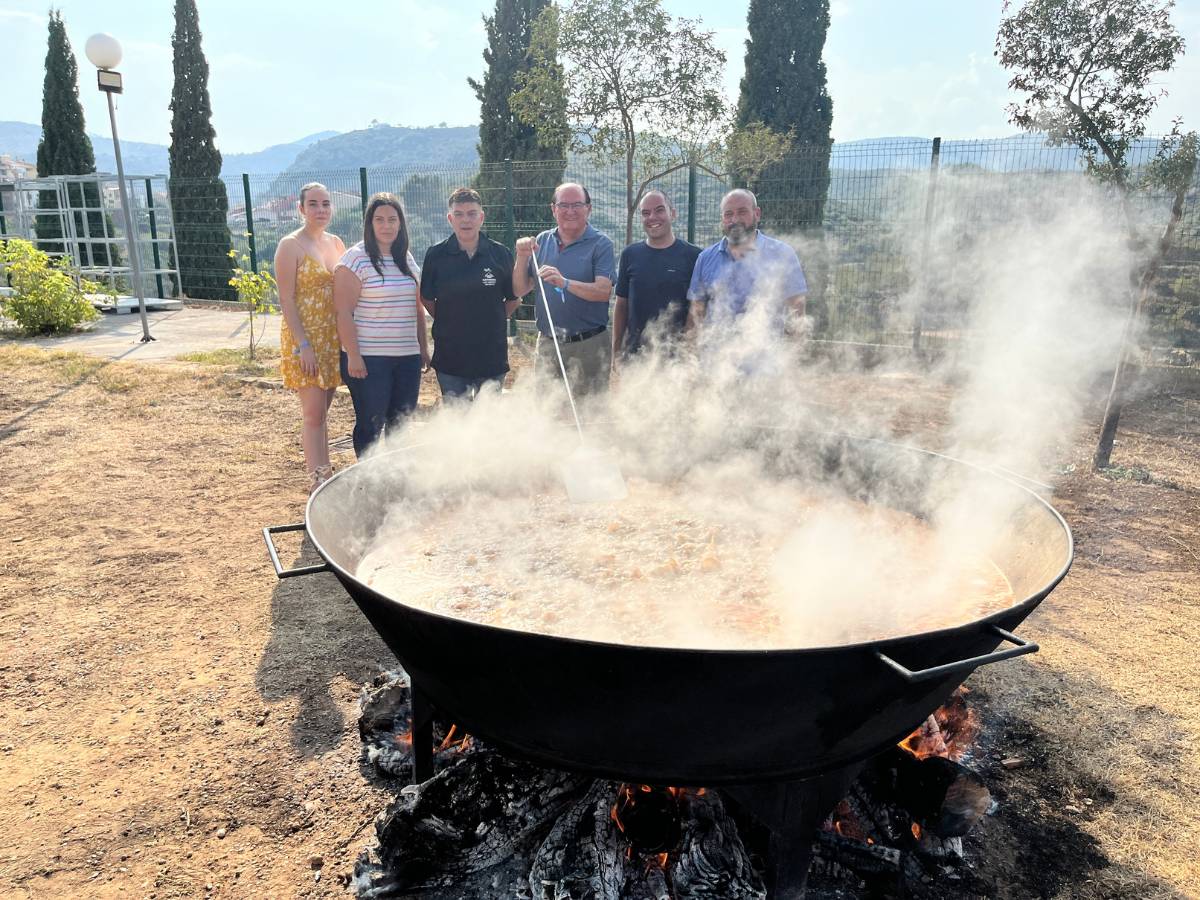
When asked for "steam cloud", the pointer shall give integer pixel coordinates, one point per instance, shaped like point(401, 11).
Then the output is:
point(1045, 287)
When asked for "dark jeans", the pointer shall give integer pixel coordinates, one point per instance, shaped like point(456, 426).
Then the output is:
point(388, 393)
point(455, 387)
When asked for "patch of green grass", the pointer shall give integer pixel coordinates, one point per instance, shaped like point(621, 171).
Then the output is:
point(265, 360)
point(1137, 475)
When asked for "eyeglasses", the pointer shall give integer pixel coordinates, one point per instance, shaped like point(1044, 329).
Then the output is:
point(573, 205)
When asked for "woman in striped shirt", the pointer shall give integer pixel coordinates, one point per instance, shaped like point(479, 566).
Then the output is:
point(379, 322)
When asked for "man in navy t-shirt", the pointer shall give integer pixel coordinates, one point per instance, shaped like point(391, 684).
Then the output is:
point(652, 282)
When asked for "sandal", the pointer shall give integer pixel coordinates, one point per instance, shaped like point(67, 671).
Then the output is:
point(318, 477)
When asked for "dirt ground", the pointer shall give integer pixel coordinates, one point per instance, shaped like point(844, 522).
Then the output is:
point(175, 722)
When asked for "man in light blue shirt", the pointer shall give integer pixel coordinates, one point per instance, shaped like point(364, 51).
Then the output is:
point(747, 272)
point(576, 265)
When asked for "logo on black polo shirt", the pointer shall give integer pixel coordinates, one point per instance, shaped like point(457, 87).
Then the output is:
point(489, 280)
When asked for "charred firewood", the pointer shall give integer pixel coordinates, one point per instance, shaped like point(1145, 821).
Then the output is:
point(860, 858)
point(481, 812)
point(385, 726)
point(712, 861)
point(874, 810)
point(943, 796)
point(584, 855)
point(941, 848)
point(587, 855)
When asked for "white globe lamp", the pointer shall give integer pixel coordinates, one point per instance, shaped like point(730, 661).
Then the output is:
point(103, 50)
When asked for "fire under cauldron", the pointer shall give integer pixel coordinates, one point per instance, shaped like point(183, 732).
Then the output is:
point(794, 725)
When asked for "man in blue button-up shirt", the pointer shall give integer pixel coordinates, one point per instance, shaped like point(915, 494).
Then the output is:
point(576, 266)
point(747, 271)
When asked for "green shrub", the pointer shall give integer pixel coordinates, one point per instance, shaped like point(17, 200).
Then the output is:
point(46, 300)
point(257, 290)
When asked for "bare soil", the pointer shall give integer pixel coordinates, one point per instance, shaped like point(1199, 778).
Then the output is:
point(175, 722)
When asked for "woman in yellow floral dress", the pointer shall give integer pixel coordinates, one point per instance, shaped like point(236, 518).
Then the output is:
point(308, 341)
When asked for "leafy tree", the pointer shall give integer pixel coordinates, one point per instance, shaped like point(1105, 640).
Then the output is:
point(198, 195)
point(65, 149)
point(538, 167)
point(784, 89)
point(634, 85)
point(1086, 69)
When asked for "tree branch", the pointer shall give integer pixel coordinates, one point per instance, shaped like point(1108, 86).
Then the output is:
point(1096, 135)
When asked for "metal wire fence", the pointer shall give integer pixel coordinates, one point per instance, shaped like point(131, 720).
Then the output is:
point(891, 261)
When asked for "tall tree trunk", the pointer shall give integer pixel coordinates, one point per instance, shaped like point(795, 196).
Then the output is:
point(1118, 392)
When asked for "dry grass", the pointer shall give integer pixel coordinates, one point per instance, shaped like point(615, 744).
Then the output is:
point(159, 683)
point(1113, 698)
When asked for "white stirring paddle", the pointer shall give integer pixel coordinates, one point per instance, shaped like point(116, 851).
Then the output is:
point(589, 473)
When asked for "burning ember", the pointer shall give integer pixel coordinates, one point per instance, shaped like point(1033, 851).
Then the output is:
point(385, 729)
point(450, 744)
point(648, 817)
point(950, 732)
point(910, 808)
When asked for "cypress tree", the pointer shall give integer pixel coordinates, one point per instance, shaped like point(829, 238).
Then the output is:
point(537, 169)
point(198, 196)
point(784, 88)
point(65, 149)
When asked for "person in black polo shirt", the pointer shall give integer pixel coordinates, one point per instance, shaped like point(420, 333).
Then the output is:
point(652, 282)
point(466, 286)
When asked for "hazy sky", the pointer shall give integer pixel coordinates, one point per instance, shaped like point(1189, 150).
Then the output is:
point(280, 71)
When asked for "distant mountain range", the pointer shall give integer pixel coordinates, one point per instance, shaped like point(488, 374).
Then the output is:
point(20, 140)
point(381, 146)
point(441, 149)
point(392, 147)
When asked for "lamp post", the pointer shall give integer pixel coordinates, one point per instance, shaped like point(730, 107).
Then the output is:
point(104, 51)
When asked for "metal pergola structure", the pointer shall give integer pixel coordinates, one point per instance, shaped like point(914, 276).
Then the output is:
point(87, 210)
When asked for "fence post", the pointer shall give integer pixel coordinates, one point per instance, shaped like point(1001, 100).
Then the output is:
point(510, 212)
point(510, 219)
point(691, 203)
point(930, 199)
point(250, 222)
point(154, 240)
point(362, 187)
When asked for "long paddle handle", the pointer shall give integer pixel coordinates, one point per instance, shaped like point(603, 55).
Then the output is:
point(557, 350)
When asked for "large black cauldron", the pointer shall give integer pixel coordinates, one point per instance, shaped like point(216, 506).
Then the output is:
point(704, 717)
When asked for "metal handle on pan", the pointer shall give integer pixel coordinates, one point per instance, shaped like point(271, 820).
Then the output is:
point(1022, 647)
point(280, 571)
